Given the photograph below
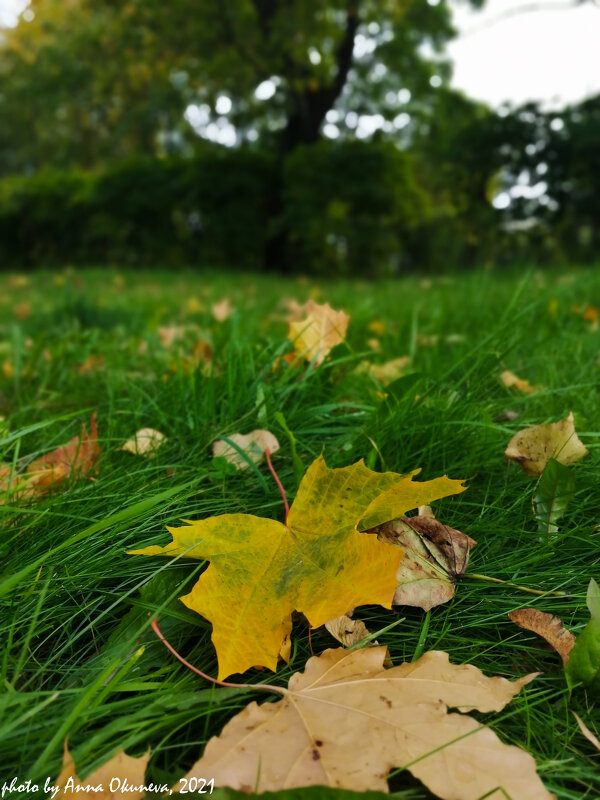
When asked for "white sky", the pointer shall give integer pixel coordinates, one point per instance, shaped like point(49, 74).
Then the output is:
point(547, 55)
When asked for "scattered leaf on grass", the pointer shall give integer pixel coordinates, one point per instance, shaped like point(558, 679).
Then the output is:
point(547, 626)
point(119, 771)
point(385, 373)
point(347, 631)
point(252, 444)
point(435, 556)
point(77, 457)
point(586, 731)
point(92, 363)
point(320, 329)
point(319, 563)
point(584, 660)
point(346, 722)
point(145, 442)
point(532, 448)
point(222, 310)
point(553, 494)
point(512, 381)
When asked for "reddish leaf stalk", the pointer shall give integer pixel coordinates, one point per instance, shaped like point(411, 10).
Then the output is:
point(278, 482)
point(261, 686)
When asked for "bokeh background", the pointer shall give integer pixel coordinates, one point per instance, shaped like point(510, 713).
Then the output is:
point(345, 137)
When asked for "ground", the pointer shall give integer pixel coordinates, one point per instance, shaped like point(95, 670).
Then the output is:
point(78, 659)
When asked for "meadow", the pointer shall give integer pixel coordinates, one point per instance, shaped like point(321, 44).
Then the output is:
point(198, 356)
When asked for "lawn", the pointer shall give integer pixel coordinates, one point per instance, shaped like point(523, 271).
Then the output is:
point(79, 660)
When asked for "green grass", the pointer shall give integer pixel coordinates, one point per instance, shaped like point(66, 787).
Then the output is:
point(77, 657)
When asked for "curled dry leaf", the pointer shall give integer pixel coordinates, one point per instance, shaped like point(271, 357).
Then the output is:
point(252, 444)
point(121, 770)
point(512, 381)
point(319, 563)
point(319, 330)
point(346, 721)
point(547, 626)
point(435, 556)
point(532, 448)
point(145, 442)
point(347, 631)
point(586, 731)
point(78, 457)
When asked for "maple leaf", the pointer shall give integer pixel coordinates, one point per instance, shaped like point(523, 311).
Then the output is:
point(252, 444)
point(111, 776)
point(144, 442)
point(77, 457)
point(532, 448)
point(321, 329)
point(346, 721)
point(319, 562)
point(435, 556)
point(547, 626)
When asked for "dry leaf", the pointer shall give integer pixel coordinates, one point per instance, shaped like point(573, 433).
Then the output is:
point(586, 731)
point(547, 626)
point(347, 631)
point(77, 457)
point(321, 329)
point(169, 334)
point(532, 448)
point(385, 373)
point(23, 310)
point(377, 327)
point(346, 722)
point(252, 444)
point(511, 381)
point(318, 563)
point(145, 442)
point(435, 556)
point(222, 310)
point(91, 364)
point(122, 776)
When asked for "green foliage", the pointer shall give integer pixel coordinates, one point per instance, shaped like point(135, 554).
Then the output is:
point(584, 659)
point(351, 207)
point(553, 494)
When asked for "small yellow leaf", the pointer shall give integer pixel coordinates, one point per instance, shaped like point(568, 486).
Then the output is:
point(253, 445)
point(385, 373)
point(321, 329)
point(512, 381)
point(222, 310)
point(532, 448)
point(145, 442)
point(347, 631)
point(377, 327)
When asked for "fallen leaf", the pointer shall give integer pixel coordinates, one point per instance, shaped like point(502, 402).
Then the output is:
point(508, 415)
point(346, 722)
point(533, 448)
point(252, 444)
point(377, 327)
point(435, 556)
point(222, 310)
point(169, 334)
point(547, 626)
point(553, 494)
point(91, 364)
point(23, 310)
point(119, 772)
point(385, 373)
point(319, 563)
point(586, 731)
point(77, 457)
point(145, 442)
point(584, 659)
point(8, 370)
point(511, 381)
point(321, 329)
point(347, 631)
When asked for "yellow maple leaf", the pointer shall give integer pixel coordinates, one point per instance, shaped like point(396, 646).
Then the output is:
point(320, 329)
point(346, 721)
point(121, 776)
point(320, 562)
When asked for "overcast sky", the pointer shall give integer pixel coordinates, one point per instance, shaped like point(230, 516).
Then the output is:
point(547, 55)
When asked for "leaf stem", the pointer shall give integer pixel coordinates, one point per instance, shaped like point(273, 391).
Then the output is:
point(278, 482)
point(261, 686)
point(475, 576)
